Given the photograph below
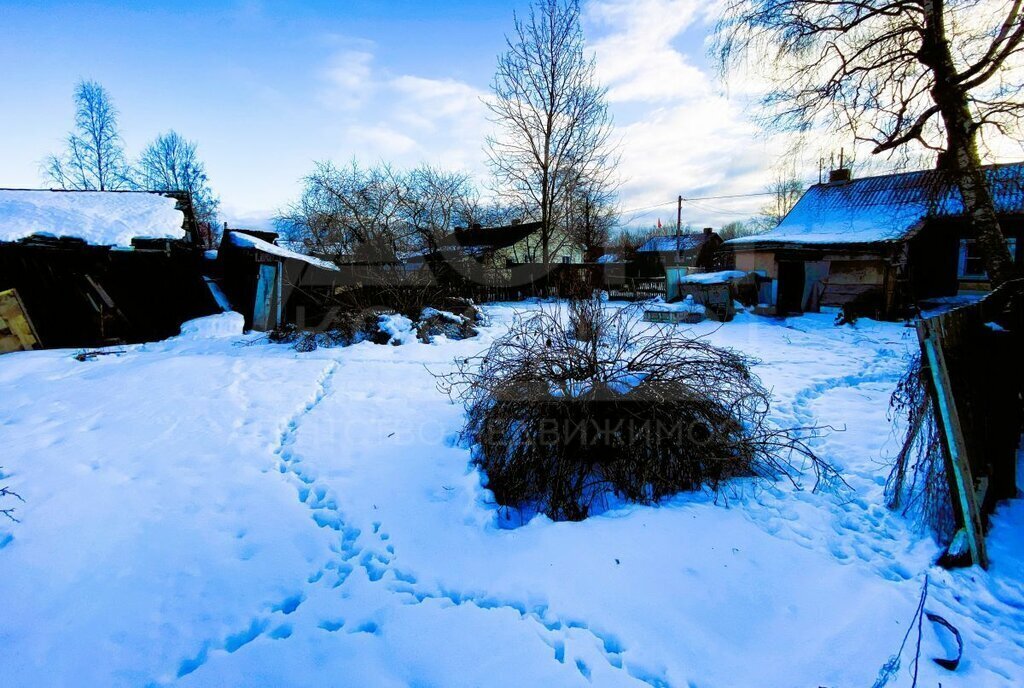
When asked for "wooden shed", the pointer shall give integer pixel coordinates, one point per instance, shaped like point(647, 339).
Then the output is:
point(883, 243)
point(93, 268)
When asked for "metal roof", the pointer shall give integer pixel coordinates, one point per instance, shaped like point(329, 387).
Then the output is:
point(885, 208)
point(690, 241)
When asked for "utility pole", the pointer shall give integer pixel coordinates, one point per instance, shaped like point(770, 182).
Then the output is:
point(679, 224)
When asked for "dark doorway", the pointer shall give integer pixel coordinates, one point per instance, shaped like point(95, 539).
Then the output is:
point(791, 287)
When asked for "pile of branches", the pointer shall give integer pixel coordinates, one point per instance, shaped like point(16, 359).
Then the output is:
point(339, 328)
point(568, 412)
point(917, 485)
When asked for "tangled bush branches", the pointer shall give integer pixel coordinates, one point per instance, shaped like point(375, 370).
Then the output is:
point(565, 413)
point(6, 497)
point(917, 484)
point(340, 328)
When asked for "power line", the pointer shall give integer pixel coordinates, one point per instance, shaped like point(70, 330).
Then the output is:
point(715, 198)
point(697, 198)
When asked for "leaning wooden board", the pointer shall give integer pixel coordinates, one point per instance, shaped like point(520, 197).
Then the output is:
point(16, 330)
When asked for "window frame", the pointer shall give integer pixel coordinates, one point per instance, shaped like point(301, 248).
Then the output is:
point(963, 257)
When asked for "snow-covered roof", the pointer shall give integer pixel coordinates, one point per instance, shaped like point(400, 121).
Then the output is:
point(690, 241)
point(883, 209)
point(244, 240)
point(101, 218)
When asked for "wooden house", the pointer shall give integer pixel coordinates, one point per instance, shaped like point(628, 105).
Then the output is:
point(93, 268)
point(688, 249)
point(879, 243)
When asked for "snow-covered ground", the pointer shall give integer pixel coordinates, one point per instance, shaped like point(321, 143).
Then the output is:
point(217, 511)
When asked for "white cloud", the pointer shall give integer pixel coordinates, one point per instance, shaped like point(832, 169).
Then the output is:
point(679, 134)
point(403, 119)
point(347, 78)
point(636, 58)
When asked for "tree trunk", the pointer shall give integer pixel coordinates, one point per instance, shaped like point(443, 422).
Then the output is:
point(961, 159)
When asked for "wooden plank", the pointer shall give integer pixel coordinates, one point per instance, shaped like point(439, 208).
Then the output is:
point(16, 324)
point(957, 465)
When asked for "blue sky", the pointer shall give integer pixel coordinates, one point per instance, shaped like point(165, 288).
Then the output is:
point(266, 88)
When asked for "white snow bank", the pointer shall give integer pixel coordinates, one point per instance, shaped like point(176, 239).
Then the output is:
point(687, 305)
point(229, 324)
point(431, 312)
point(249, 241)
point(101, 218)
point(399, 327)
point(712, 277)
point(220, 515)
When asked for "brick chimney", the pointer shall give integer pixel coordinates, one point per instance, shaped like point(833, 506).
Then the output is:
point(840, 175)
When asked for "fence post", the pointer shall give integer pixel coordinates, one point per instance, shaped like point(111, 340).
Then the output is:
point(957, 465)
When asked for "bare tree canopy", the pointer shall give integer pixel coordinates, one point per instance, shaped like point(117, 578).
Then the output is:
point(938, 74)
point(590, 216)
point(784, 191)
point(553, 117)
point(433, 201)
point(378, 213)
point(93, 159)
point(170, 163)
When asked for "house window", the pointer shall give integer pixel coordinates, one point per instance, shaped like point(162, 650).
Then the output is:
point(566, 260)
point(972, 265)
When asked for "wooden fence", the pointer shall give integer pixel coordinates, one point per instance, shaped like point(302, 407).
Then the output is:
point(973, 356)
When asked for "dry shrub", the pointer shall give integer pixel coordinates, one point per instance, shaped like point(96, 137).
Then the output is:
point(340, 328)
point(917, 486)
point(566, 414)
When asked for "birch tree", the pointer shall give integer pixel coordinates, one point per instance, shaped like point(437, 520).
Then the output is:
point(940, 75)
point(93, 159)
point(171, 163)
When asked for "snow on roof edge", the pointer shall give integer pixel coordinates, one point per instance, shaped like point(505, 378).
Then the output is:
point(100, 218)
point(241, 238)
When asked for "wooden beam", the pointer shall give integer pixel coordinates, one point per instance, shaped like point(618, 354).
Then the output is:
point(957, 465)
point(16, 328)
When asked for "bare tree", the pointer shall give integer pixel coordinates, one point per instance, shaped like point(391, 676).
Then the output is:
point(170, 163)
point(378, 213)
point(554, 120)
point(932, 73)
point(349, 213)
point(783, 192)
point(93, 159)
point(433, 201)
point(590, 216)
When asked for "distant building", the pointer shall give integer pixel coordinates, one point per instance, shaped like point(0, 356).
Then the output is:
point(884, 242)
point(688, 249)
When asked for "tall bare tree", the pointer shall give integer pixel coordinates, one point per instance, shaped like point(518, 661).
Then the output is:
point(170, 163)
point(935, 73)
point(552, 113)
point(93, 159)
